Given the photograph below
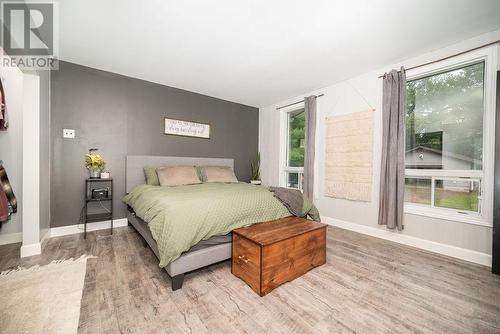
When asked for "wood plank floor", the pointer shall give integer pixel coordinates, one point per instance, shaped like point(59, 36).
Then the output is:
point(368, 285)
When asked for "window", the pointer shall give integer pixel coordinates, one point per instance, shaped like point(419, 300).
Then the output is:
point(444, 140)
point(293, 169)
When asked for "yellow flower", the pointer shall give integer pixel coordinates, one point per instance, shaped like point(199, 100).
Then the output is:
point(94, 161)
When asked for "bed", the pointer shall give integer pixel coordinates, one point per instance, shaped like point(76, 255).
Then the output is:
point(157, 212)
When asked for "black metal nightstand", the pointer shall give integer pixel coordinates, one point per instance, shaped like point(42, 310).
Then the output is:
point(98, 202)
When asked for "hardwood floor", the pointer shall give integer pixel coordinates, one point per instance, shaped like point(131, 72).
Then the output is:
point(368, 285)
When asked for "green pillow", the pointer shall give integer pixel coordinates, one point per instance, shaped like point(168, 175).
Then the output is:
point(151, 176)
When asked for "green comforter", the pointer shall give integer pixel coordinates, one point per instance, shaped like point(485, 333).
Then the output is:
point(180, 217)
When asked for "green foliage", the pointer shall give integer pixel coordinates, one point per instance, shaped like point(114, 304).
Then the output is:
point(419, 191)
point(459, 200)
point(255, 167)
point(451, 102)
point(297, 129)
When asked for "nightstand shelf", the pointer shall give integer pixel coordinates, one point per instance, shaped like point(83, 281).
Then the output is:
point(99, 199)
point(98, 208)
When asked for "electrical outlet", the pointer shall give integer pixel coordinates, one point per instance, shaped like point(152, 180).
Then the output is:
point(68, 133)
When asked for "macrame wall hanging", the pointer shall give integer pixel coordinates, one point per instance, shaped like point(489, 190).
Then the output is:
point(349, 155)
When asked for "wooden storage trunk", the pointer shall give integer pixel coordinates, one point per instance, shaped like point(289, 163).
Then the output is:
point(269, 254)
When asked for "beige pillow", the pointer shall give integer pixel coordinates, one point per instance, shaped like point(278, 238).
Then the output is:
point(177, 176)
point(218, 174)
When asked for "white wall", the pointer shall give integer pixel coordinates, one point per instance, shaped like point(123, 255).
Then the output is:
point(28, 103)
point(44, 152)
point(11, 147)
point(344, 98)
point(31, 165)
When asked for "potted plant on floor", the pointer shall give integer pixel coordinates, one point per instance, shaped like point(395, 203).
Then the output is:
point(255, 168)
point(94, 163)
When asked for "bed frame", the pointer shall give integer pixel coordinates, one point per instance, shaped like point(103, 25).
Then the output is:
point(201, 255)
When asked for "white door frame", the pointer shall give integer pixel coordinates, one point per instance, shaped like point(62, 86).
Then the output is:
point(31, 166)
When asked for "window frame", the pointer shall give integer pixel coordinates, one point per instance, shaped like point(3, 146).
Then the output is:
point(489, 56)
point(284, 147)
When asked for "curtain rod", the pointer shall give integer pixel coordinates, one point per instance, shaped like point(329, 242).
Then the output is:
point(291, 104)
point(448, 57)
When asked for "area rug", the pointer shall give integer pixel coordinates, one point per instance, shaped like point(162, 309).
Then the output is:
point(349, 156)
point(42, 299)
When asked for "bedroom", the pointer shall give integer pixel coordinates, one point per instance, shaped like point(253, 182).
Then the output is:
point(311, 167)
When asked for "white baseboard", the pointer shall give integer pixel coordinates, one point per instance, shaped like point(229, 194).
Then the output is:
point(74, 229)
point(11, 238)
point(31, 249)
point(432, 246)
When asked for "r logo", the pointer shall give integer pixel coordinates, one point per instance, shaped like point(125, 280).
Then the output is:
point(28, 28)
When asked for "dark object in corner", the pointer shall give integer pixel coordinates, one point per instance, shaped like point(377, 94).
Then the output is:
point(4, 207)
point(4, 123)
point(495, 267)
point(5, 184)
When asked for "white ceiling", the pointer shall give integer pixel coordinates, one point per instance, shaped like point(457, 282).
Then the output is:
point(260, 52)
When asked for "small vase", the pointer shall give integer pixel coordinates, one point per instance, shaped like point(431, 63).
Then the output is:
point(94, 173)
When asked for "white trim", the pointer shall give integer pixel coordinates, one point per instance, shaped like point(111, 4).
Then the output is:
point(446, 214)
point(74, 229)
point(490, 57)
point(11, 238)
point(31, 249)
point(30, 212)
point(283, 146)
point(444, 173)
point(383, 233)
point(293, 169)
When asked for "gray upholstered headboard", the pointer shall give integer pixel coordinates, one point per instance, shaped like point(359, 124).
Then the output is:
point(136, 163)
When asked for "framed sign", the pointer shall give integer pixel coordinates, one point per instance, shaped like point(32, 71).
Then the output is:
point(179, 127)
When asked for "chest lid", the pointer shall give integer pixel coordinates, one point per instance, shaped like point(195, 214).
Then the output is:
point(274, 231)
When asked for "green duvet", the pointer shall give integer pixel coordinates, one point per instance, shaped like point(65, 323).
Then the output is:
point(180, 217)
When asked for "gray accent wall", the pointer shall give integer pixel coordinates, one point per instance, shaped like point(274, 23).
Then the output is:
point(124, 116)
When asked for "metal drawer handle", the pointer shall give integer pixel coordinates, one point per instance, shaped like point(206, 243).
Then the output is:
point(243, 258)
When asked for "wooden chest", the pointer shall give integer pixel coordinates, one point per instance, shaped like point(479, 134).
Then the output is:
point(269, 254)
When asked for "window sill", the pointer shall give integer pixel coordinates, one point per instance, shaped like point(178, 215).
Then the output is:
point(444, 214)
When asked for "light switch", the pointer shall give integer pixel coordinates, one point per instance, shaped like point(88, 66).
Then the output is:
point(68, 133)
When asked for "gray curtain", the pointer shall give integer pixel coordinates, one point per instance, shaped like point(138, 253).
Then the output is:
point(393, 150)
point(310, 135)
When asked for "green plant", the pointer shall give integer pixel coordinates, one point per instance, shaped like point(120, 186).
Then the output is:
point(94, 161)
point(255, 167)
point(296, 135)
